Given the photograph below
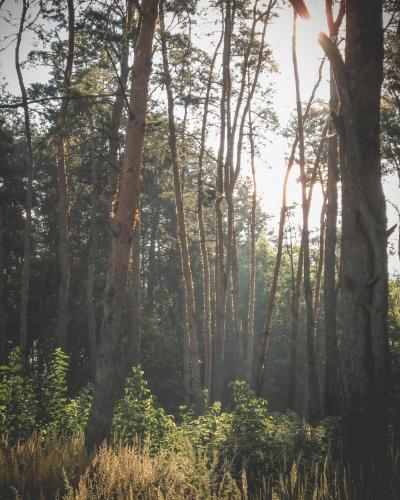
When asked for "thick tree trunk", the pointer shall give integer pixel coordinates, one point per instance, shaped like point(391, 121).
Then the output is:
point(312, 372)
point(23, 321)
point(189, 297)
point(109, 378)
point(363, 353)
point(93, 246)
point(63, 254)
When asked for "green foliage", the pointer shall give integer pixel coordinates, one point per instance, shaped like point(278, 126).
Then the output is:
point(18, 406)
point(137, 415)
point(55, 391)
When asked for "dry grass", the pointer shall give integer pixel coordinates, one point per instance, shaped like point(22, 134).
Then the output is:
point(54, 468)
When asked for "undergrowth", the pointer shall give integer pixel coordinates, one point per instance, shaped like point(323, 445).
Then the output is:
point(246, 452)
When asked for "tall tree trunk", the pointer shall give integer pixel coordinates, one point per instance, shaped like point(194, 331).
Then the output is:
point(109, 378)
point(330, 298)
point(63, 254)
point(266, 335)
point(93, 246)
point(252, 285)
point(155, 220)
point(331, 397)
point(292, 392)
point(134, 332)
point(120, 99)
point(207, 326)
point(220, 271)
point(312, 372)
point(182, 231)
point(23, 317)
point(363, 352)
point(3, 354)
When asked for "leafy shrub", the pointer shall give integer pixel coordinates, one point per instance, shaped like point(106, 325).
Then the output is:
point(138, 416)
point(55, 392)
point(18, 406)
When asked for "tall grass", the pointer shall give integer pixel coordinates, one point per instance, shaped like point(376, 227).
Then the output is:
point(50, 467)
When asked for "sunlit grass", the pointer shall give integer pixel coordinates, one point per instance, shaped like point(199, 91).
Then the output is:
point(51, 467)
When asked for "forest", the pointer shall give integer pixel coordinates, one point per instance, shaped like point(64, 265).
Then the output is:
point(200, 249)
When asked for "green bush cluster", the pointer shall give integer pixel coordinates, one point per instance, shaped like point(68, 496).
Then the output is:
point(245, 438)
point(137, 416)
point(251, 438)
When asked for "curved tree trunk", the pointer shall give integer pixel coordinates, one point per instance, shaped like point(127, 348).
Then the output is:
point(109, 378)
point(262, 358)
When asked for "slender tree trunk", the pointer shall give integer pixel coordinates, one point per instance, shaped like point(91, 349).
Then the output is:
point(3, 354)
point(313, 378)
point(331, 344)
point(292, 393)
point(252, 286)
point(363, 352)
point(63, 254)
point(320, 265)
point(23, 321)
point(93, 246)
point(151, 269)
point(182, 231)
point(220, 271)
point(109, 378)
point(331, 396)
point(134, 332)
point(207, 332)
point(278, 259)
point(115, 124)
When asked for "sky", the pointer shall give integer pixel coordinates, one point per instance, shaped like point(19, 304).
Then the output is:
point(271, 164)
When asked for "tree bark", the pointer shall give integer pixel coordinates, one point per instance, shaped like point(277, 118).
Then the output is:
point(63, 253)
point(109, 378)
point(189, 297)
point(23, 321)
point(363, 352)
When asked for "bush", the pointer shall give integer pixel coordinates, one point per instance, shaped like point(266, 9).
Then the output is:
point(137, 415)
point(18, 405)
